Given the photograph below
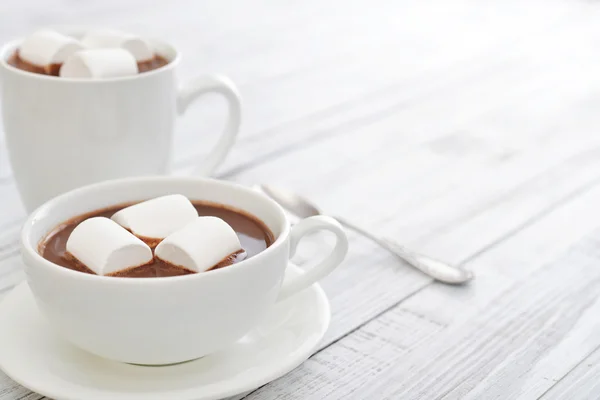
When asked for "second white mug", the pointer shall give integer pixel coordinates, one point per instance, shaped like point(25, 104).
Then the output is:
point(63, 133)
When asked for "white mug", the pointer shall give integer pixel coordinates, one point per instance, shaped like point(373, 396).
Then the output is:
point(172, 319)
point(63, 133)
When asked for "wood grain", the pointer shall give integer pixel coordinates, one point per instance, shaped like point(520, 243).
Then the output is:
point(583, 380)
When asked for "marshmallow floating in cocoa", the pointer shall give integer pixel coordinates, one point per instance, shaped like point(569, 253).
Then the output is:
point(98, 64)
point(139, 48)
point(105, 247)
point(44, 48)
point(156, 219)
point(200, 245)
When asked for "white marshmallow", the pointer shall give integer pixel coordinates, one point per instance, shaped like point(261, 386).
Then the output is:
point(139, 48)
point(200, 245)
point(99, 63)
point(157, 218)
point(105, 247)
point(45, 47)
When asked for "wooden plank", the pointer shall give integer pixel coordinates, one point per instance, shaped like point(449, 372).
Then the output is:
point(404, 107)
point(11, 391)
point(435, 72)
point(524, 207)
point(484, 324)
point(541, 328)
point(582, 381)
point(527, 195)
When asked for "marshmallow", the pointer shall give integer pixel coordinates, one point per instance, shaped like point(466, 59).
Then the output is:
point(139, 48)
point(99, 63)
point(105, 247)
point(200, 245)
point(156, 219)
point(45, 47)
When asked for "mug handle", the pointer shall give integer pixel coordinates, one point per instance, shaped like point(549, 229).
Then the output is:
point(323, 268)
point(221, 85)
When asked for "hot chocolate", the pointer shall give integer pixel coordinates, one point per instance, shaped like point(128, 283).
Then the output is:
point(143, 66)
point(98, 54)
point(253, 235)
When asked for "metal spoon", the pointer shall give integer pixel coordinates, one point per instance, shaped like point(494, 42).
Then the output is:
point(436, 269)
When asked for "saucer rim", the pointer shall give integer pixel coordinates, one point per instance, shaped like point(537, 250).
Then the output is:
point(192, 393)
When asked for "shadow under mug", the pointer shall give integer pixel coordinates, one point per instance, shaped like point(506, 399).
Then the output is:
point(63, 133)
point(167, 320)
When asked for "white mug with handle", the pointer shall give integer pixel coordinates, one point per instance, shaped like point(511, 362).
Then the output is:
point(63, 133)
point(169, 319)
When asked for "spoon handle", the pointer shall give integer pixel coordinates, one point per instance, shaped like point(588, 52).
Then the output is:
point(436, 269)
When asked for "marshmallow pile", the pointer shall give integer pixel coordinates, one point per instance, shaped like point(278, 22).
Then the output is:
point(99, 54)
point(170, 225)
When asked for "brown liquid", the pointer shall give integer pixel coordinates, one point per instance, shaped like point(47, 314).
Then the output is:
point(53, 69)
point(254, 237)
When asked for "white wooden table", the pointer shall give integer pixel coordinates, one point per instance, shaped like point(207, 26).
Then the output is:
point(468, 130)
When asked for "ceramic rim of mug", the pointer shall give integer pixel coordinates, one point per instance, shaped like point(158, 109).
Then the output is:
point(162, 48)
point(44, 209)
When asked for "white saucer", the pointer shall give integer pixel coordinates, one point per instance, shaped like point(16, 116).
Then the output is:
point(34, 356)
